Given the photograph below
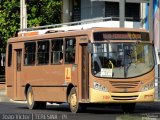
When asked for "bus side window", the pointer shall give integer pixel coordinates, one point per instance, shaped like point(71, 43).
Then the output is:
point(70, 50)
point(57, 51)
point(29, 53)
point(9, 55)
point(43, 52)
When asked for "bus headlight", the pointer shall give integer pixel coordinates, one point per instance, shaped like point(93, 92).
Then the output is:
point(100, 87)
point(148, 86)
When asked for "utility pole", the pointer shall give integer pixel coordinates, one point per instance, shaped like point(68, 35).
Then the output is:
point(23, 15)
point(122, 13)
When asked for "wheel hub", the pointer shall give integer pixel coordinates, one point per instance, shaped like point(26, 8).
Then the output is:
point(73, 100)
point(30, 98)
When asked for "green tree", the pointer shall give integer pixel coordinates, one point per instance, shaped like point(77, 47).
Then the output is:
point(9, 20)
point(39, 12)
point(43, 12)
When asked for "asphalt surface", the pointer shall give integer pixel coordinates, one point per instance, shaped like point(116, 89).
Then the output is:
point(19, 111)
point(10, 110)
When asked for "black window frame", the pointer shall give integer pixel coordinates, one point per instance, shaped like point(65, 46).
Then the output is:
point(132, 11)
point(44, 53)
point(19, 59)
point(59, 50)
point(28, 54)
point(10, 55)
point(71, 49)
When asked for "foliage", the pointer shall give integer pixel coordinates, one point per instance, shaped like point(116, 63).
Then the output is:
point(9, 17)
point(43, 12)
point(39, 12)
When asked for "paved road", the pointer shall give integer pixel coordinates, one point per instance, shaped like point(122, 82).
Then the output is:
point(10, 110)
point(19, 111)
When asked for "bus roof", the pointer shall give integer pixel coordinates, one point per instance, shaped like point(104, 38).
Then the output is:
point(32, 35)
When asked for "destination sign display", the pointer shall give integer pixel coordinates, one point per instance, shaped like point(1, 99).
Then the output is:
point(100, 36)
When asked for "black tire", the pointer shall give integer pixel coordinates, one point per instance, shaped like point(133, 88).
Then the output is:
point(128, 107)
point(34, 104)
point(73, 101)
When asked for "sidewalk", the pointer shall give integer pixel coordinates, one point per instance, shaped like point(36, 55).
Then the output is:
point(2, 85)
point(3, 97)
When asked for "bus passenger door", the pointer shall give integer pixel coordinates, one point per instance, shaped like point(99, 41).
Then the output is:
point(84, 68)
point(17, 73)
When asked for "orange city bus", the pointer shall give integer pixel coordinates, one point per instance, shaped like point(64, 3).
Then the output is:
point(80, 67)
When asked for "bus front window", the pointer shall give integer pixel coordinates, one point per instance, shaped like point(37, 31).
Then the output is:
point(121, 60)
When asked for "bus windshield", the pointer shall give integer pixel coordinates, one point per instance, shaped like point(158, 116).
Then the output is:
point(121, 60)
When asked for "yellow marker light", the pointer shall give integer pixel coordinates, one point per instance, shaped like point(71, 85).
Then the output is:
point(148, 97)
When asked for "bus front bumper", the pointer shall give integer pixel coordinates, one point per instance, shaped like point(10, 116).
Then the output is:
point(97, 96)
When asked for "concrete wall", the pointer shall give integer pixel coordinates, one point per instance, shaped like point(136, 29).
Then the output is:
point(157, 24)
point(66, 11)
point(92, 9)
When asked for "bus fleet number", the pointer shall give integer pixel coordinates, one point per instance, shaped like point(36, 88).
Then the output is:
point(106, 97)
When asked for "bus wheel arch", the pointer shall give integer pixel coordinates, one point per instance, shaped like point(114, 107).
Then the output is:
point(26, 89)
point(70, 86)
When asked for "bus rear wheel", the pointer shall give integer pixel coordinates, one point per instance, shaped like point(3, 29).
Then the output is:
point(128, 107)
point(34, 104)
point(73, 101)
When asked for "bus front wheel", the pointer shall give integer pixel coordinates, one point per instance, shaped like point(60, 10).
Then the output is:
point(128, 107)
point(73, 101)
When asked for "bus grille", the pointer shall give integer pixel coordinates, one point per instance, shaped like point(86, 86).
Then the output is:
point(124, 84)
point(134, 97)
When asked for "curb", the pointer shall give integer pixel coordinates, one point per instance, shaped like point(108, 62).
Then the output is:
point(21, 102)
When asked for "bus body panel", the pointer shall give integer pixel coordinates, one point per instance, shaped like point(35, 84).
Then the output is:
point(48, 81)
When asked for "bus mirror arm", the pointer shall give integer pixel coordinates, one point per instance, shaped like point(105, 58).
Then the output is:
point(89, 47)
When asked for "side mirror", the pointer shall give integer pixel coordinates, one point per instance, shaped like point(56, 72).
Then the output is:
point(89, 48)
